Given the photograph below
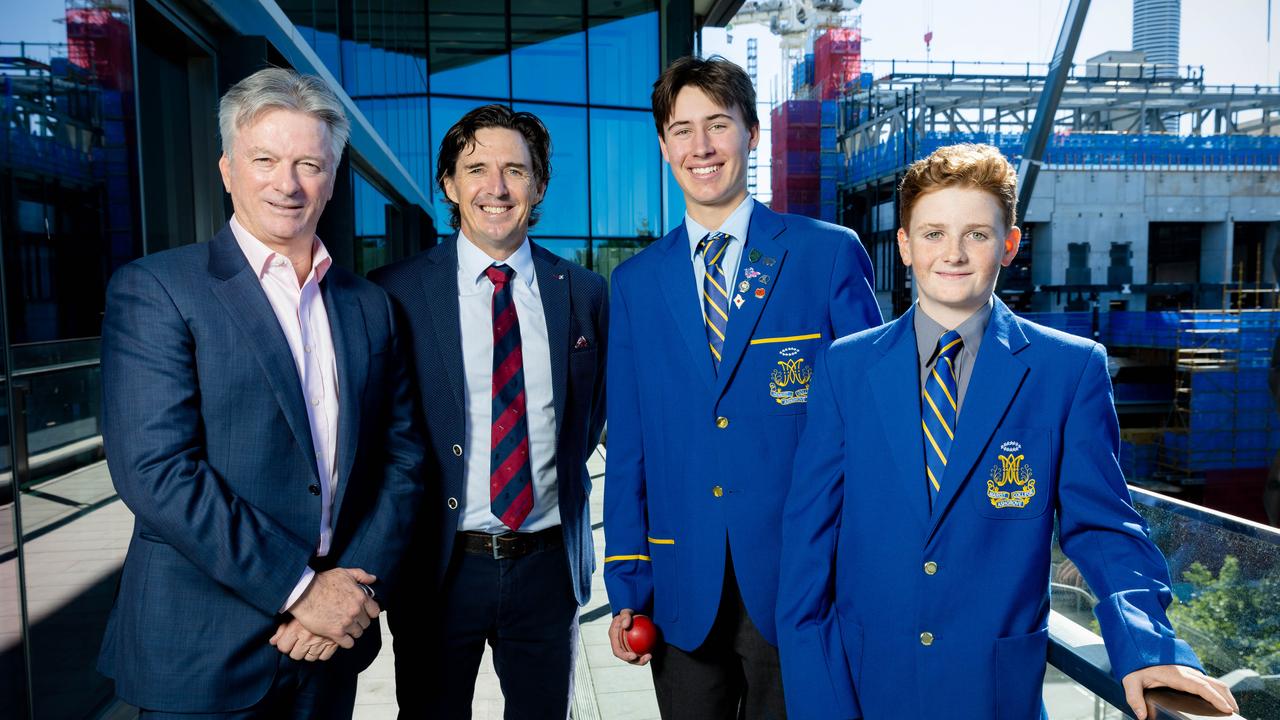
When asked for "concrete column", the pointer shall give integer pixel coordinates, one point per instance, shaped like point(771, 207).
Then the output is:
point(1270, 247)
point(1217, 241)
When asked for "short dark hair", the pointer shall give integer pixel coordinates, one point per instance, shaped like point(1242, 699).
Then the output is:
point(463, 134)
point(723, 81)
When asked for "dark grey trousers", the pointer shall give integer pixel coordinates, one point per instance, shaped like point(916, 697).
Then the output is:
point(733, 675)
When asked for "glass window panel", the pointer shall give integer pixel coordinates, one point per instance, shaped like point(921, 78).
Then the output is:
point(469, 48)
point(564, 209)
point(444, 113)
point(625, 180)
point(615, 9)
point(371, 250)
point(623, 56)
point(609, 254)
point(574, 249)
point(548, 51)
point(1214, 562)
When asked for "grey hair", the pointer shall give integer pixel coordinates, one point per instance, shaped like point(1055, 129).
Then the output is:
point(280, 88)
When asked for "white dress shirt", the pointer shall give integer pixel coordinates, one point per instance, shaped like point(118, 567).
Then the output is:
point(475, 306)
point(305, 322)
point(736, 226)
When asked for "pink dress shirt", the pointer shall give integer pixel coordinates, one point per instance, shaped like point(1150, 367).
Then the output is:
point(305, 322)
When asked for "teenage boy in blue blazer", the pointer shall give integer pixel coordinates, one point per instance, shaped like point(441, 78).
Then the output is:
point(939, 449)
point(714, 329)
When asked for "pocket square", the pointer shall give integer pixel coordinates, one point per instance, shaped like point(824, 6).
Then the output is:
point(582, 342)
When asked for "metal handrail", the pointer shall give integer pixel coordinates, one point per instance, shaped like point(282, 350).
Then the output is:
point(1081, 656)
point(1205, 515)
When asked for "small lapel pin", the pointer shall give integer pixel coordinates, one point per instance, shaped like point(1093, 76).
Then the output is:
point(560, 276)
point(582, 340)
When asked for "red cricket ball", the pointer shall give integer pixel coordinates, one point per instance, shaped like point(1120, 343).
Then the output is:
point(643, 635)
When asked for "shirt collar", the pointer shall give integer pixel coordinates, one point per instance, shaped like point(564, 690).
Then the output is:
point(260, 256)
point(735, 225)
point(472, 261)
point(929, 331)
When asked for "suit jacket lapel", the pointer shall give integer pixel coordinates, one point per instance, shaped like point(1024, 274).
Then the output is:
point(895, 383)
point(684, 301)
point(997, 376)
point(553, 286)
point(240, 292)
point(764, 255)
point(440, 286)
point(351, 346)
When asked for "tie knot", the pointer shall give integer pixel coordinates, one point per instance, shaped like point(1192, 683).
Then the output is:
point(499, 274)
point(712, 247)
point(949, 345)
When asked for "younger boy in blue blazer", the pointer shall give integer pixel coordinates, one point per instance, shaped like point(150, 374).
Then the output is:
point(939, 447)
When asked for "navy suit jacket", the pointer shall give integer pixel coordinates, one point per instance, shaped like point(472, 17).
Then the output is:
point(425, 287)
point(700, 460)
point(867, 568)
point(209, 446)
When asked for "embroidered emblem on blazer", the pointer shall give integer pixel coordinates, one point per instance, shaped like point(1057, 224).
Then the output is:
point(789, 380)
point(1011, 484)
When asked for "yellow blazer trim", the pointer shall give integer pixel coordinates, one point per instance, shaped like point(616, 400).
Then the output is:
point(661, 541)
point(619, 558)
point(789, 338)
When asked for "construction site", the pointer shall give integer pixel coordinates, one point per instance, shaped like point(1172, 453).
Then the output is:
point(1149, 205)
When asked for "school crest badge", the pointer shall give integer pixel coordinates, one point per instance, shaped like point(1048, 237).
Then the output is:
point(1011, 483)
point(789, 380)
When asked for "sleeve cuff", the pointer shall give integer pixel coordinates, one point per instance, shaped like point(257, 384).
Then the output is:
point(303, 583)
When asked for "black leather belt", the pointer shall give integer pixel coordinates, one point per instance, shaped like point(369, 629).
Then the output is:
point(511, 545)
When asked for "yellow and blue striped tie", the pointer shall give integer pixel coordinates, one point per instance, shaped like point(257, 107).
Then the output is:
point(939, 410)
point(715, 293)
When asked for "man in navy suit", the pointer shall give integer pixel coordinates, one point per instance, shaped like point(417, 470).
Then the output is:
point(940, 450)
point(258, 422)
point(714, 331)
point(509, 347)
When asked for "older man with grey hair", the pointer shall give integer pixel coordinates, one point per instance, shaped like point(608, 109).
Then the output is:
point(258, 422)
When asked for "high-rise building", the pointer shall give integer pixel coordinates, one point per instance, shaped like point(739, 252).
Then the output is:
point(1157, 32)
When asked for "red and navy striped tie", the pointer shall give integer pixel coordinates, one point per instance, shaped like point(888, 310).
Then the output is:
point(510, 477)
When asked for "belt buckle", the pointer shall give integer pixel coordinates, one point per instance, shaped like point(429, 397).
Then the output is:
point(493, 542)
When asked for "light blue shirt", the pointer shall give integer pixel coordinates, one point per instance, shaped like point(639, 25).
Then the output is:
point(475, 311)
point(735, 225)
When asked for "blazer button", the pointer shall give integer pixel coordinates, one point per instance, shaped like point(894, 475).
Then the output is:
point(930, 568)
point(722, 422)
point(717, 491)
point(457, 450)
point(313, 489)
point(926, 639)
point(453, 502)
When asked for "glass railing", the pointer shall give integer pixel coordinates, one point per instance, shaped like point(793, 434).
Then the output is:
point(1226, 585)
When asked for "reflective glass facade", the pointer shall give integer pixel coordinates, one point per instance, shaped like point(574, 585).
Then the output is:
point(109, 150)
point(584, 67)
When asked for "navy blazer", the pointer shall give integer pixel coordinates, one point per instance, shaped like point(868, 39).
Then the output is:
point(888, 609)
point(700, 460)
point(209, 446)
point(425, 288)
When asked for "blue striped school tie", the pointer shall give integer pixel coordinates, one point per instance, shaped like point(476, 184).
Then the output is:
point(938, 410)
point(715, 292)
